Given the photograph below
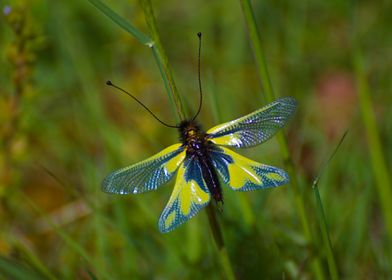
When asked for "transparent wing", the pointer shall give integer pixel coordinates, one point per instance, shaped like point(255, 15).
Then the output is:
point(255, 128)
point(190, 194)
point(243, 174)
point(147, 175)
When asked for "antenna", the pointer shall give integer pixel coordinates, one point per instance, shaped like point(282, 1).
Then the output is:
point(198, 69)
point(109, 83)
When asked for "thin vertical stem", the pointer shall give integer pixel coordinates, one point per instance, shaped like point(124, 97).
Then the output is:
point(161, 57)
point(325, 234)
point(219, 241)
point(333, 271)
point(264, 77)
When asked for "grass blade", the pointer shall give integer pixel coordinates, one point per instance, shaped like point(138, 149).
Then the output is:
point(161, 58)
point(218, 237)
point(124, 24)
point(322, 219)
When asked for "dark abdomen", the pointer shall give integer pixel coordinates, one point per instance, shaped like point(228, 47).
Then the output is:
point(210, 177)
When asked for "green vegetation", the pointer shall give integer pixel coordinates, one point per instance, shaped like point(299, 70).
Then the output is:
point(62, 130)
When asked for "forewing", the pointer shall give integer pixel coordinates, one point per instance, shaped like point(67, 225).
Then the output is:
point(255, 128)
point(243, 174)
point(147, 175)
point(190, 194)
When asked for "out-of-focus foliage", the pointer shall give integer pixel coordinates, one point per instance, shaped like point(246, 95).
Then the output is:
point(62, 130)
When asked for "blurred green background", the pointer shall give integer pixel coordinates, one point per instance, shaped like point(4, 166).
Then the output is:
point(62, 130)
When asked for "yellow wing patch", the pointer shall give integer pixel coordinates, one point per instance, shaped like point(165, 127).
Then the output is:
point(187, 198)
point(274, 176)
point(170, 219)
point(175, 162)
point(241, 173)
point(232, 139)
point(245, 174)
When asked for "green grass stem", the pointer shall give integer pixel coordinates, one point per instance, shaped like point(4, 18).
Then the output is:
point(123, 23)
point(264, 77)
point(217, 233)
point(322, 219)
point(161, 58)
point(325, 234)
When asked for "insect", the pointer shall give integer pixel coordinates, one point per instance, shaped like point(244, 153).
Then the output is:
point(201, 158)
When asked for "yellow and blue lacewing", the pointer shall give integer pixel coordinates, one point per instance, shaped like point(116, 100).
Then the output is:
point(202, 158)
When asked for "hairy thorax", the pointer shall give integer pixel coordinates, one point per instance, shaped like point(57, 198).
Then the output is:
point(194, 138)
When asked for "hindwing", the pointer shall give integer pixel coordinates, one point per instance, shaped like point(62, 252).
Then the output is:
point(243, 174)
point(190, 194)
